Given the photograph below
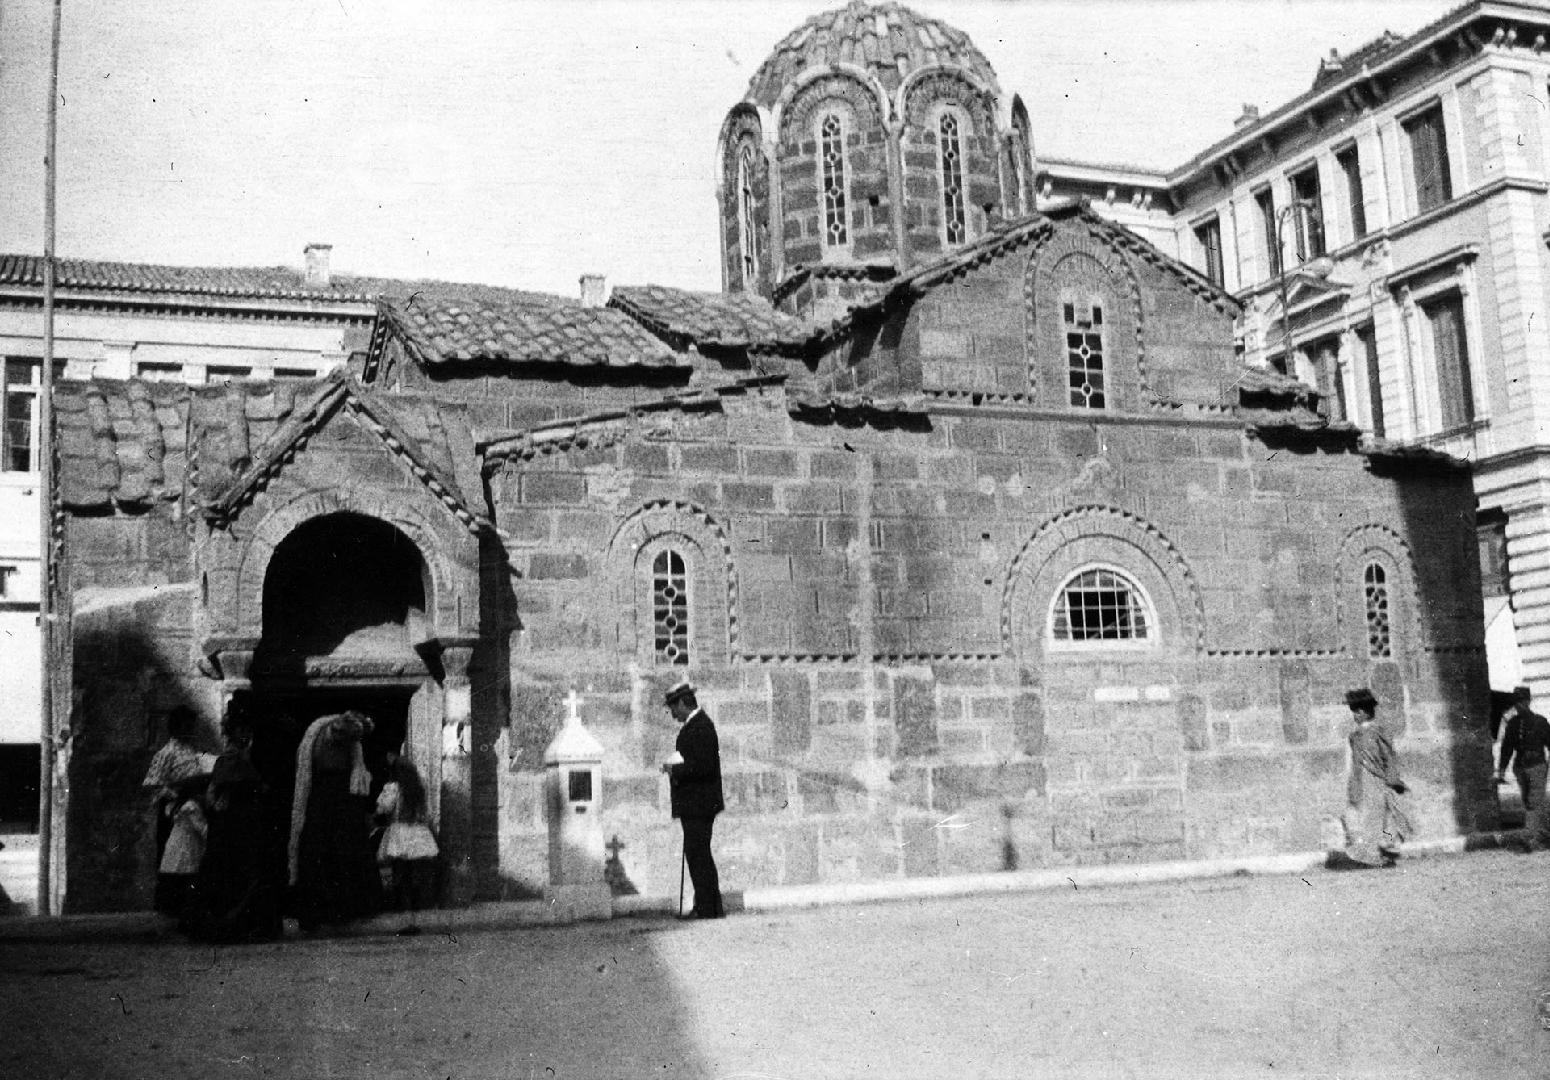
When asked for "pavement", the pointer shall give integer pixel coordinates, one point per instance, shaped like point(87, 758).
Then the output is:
point(1435, 968)
point(515, 914)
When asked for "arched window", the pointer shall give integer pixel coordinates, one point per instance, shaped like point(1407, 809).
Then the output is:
point(748, 236)
point(1084, 351)
point(1375, 597)
point(955, 228)
point(670, 608)
point(831, 149)
point(1100, 605)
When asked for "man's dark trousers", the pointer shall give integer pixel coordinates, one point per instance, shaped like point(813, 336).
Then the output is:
point(702, 866)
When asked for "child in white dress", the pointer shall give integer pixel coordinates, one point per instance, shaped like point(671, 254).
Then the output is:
point(408, 845)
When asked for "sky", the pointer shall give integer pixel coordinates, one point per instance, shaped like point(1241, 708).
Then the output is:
point(524, 143)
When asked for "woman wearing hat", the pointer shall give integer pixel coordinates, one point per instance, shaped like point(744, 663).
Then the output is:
point(1375, 824)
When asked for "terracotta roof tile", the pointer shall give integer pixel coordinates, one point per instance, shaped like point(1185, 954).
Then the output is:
point(246, 282)
point(442, 330)
point(874, 36)
point(728, 320)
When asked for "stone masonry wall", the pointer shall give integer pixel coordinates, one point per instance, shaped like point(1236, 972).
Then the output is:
point(878, 668)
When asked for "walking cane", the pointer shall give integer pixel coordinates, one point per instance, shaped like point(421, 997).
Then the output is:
point(682, 861)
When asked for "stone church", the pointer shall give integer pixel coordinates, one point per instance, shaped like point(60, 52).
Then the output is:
point(984, 548)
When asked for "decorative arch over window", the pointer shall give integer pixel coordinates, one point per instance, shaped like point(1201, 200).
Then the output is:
point(1085, 325)
point(833, 181)
point(673, 586)
point(955, 218)
point(1099, 577)
point(1102, 606)
point(1375, 579)
point(745, 199)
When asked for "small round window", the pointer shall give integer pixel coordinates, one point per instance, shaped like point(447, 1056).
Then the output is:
point(1101, 606)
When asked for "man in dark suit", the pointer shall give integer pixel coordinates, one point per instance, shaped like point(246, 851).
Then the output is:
point(694, 775)
point(1525, 741)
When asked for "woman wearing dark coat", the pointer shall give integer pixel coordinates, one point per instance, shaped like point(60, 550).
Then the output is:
point(333, 873)
point(238, 897)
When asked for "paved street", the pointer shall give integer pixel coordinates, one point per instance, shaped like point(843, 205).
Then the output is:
point(1430, 970)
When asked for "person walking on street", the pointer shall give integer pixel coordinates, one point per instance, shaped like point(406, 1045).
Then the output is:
point(1375, 824)
point(694, 776)
point(1525, 741)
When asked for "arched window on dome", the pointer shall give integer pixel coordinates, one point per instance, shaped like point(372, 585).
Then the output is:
point(1100, 607)
point(833, 181)
point(949, 145)
point(747, 231)
point(670, 607)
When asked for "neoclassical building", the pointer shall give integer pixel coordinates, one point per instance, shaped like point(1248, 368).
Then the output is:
point(1385, 232)
point(960, 514)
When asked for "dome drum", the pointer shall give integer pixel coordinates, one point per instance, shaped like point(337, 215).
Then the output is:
point(888, 148)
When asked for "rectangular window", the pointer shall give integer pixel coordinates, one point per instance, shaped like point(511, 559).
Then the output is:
point(1208, 234)
point(1326, 366)
point(216, 373)
point(294, 373)
point(1084, 354)
point(152, 372)
point(19, 436)
point(1491, 532)
point(1429, 159)
point(1351, 168)
point(6, 574)
point(1266, 201)
point(1309, 214)
point(1455, 386)
point(1367, 344)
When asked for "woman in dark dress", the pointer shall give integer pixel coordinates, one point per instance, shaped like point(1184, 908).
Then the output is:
point(238, 896)
point(333, 874)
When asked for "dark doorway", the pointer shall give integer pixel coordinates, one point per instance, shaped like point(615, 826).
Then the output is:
point(342, 584)
point(281, 717)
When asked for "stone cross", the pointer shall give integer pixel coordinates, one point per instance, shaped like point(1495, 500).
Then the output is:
point(573, 703)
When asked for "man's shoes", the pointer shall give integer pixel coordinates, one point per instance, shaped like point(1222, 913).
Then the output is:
point(688, 915)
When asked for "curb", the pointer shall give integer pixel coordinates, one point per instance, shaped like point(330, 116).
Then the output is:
point(512, 914)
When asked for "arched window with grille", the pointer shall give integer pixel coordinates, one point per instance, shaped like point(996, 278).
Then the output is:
point(1375, 600)
point(1100, 606)
point(833, 181)
point(949, 145)
point(748, 236)
point(670, 608)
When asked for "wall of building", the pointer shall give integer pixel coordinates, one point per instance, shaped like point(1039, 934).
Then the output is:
point(866, 691)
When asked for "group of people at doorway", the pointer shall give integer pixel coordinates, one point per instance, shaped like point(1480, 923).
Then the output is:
point(236, 856)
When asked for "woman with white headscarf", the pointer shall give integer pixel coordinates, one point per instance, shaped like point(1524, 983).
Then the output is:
point(333, 875)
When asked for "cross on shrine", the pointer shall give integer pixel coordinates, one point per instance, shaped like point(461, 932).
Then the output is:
point(573, 704)
point(614, 846)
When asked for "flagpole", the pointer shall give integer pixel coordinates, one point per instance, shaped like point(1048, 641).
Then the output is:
point(44, 448)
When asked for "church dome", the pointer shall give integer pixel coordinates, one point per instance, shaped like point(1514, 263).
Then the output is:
point(888, 40)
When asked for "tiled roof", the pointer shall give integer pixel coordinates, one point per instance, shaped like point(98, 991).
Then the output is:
point(727, 320)
point(441, 330)
point(888, 39)
point(127, 443)
point(244, 282)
